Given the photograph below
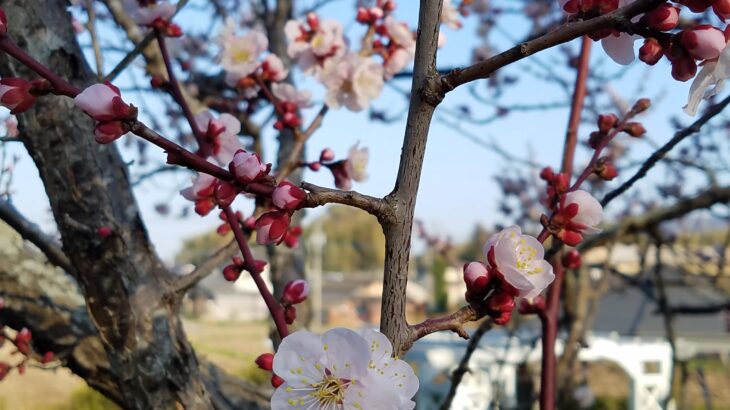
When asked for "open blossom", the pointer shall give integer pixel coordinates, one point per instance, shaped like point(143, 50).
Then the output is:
point(240, 54)
point(450, 15)
point(579, 213)
point(202, 192)
point(312, 43)
point(352, 168)
point(147, 14)
point(520, 260)
point(273, 68)
point(342, 370)
point(103, 102)
point(272, 227)
point(222, 135)
point(402, 48)
point(286, 93)
point(709, 81)
point(352, 81)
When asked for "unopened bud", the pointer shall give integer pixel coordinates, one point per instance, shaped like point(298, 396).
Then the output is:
point(501, 302)
point(295, 291)
point(605, 169)
point(231, 272)
point(635, 129)
point(606, 122)
point(326, 155)
point(560, 183)
point(651, 52)
point(642, 105)
point(265, 361)
point(571, 259)
point(276, 381)
point(547, 174)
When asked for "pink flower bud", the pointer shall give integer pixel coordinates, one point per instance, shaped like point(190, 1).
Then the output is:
point(103, 102)
point(703, 42)
point(503, 318)
point(109, 131)
point(313, 21)
point(606, 170)
point(315, 166)
point(225, 193)
point(327, 155)
point(363, 16)
point(104, 231)
point(375, 13)
point(501, 302)
point(635, 129)
point(547, 174)
point(15, 95)
point(571, 259)
point(664, 17)
point(290, 314)
point(651, 52)
point(47, 357)
point(265, 361)
point(247, 167)
point(276, 381)
point(476, 276)
point(271, 227)
point(296, 291)
point(287, 196)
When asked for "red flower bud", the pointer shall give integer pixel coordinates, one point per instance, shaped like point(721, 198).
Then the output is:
point(683, 68)
point(110, 131)
point(560, 183)
point(664, 17)
point(651, 52)
point(103, 231)
point(15, 95)
point(276, 381)
point(271, 227)
point(47, 357)
point(605, 169)
point(571, 259)
point(287, 196)
point(502, 318)
point(642, 105)
point(290, 314)
point(476, 277)
point(232, 272)
point(606, 122)
point(265, 361)
point(501, 302)
point(547, 174)
point(326, 155)
point(635, 129)
point(296, 291)
point(570, 238)
point(225, 193)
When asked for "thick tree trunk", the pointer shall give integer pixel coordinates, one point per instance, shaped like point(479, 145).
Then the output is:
point(122, 280)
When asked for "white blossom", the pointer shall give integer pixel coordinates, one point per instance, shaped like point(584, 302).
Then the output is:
point(357, 162)
point(287, 93)
point(709, 81)
point(342, 370)
point(225, 142)
point(520, 259)
point(352, 81)
point(240, 53)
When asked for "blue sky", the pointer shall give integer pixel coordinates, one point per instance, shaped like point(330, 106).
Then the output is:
point(458, 190)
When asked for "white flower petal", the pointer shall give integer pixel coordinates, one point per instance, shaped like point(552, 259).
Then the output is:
point(298, 357)
point(620, 48)
point(344, 350)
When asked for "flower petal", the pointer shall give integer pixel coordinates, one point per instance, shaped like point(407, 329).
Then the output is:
point(620, 48)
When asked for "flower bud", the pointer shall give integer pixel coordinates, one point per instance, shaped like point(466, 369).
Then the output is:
point(15, 95)
point(651, 52)
point(683, 68)
point(642, 105)
point(290, 314)
point(296, 291)
point(362, 16)
point(232, 272)
point(326, 155)
point(501, 302)
point(271, 227)
point(287, 196)
point(606, 122)
point(315, 166)
point(265, 361)
point(635, 129)
point(605, 169)
point(533, 306)
point(313, 21)
point(103, 102)
point(664, 17)
point(276, 381)
point(571, 259)
point(109, 131)
point(547, 174)
point(595, 139)
point(721, 8)
point(476, 276)
point(703, 42)
point(560, 183)
point(569, 237)
point(502, 318)
point(247, 167)
point(103, 231)
point(225, 193)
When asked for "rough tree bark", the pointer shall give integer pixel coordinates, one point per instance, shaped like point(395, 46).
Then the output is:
point(124, 284)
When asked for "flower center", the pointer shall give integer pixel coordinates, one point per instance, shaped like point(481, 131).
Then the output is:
point(241, 55)
point(330, 391)
point(526, 255)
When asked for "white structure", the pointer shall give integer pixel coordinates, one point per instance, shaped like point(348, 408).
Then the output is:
point(494, 368)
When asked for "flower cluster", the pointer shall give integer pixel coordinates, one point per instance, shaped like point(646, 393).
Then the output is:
point(339, 369)
point(352, 168)
point(515, 268)
point(154, 14)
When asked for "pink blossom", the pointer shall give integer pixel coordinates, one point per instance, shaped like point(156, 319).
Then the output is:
point(295, 291)
point(450, 15)
point(247, 167)
point(239, 55)
point(146, 15)
point(222, 135)
point(352, 81)
point(311, 46)
point(202, 193)
point(103, 102)
point(400, 34)
point(475, 276)
point(578, 214)
point(703, 42)
point(520, 260)
point(286, 92)
point(273, 68)
point(287, 196)
point(271, 227)
point(15, 95)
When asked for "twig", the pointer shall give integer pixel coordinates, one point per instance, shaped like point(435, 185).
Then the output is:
point(458, 374)
point(91, 27)
point(318, 196)
point(187, 282)
point(680, 135)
